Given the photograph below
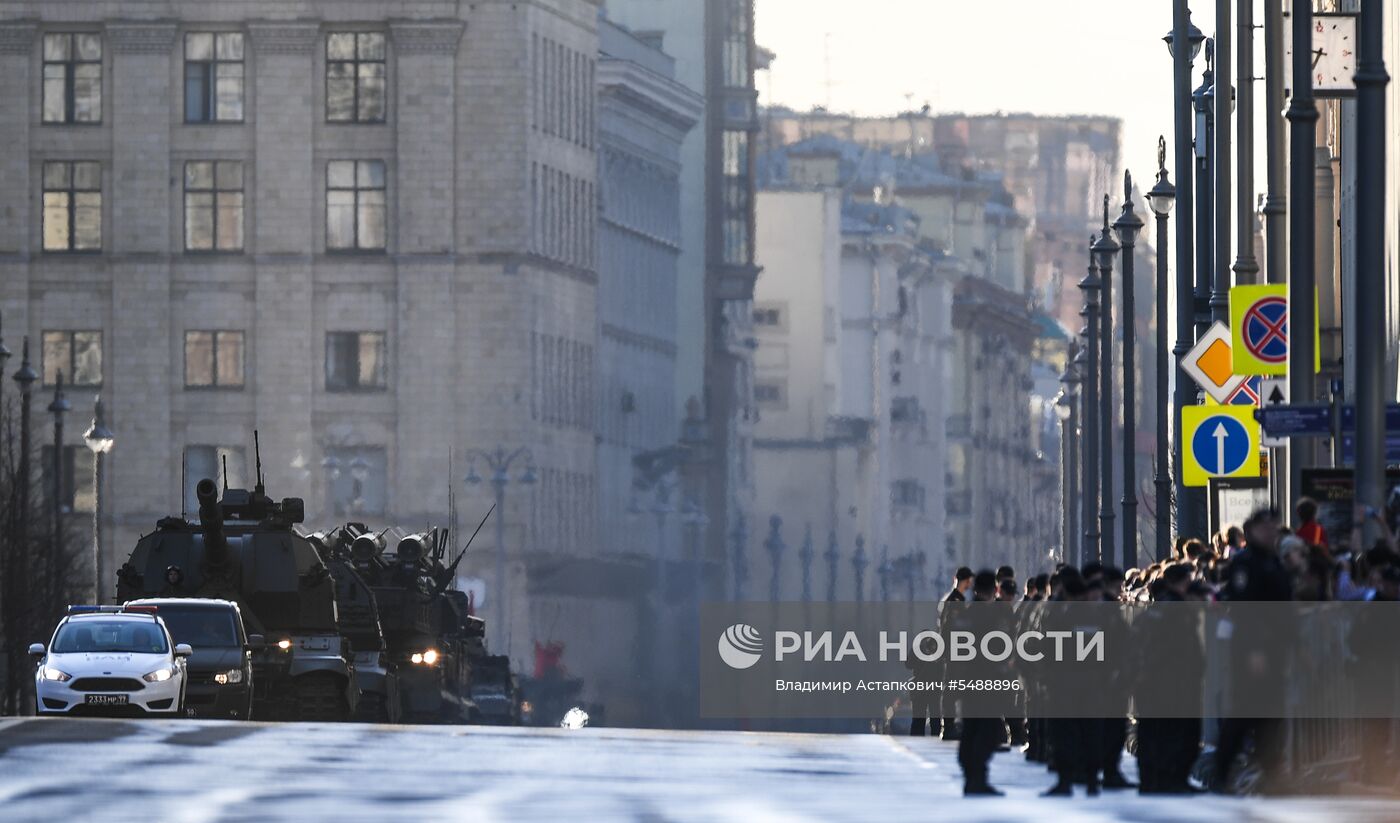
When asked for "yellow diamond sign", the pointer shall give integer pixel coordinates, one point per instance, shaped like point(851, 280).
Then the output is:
point(1209, 364)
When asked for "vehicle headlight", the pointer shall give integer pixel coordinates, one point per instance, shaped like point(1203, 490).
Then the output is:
point(284, 644)
point(230, 676)
point(159, 675)
point(430, 656)
point(50, 673)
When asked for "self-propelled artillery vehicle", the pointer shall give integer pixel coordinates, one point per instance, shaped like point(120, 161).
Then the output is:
point(376, 674)
point(245, 549)
point(445, 674)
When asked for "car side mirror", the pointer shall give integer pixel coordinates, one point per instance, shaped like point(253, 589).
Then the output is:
point(36, 650)
point(255, 642)
point(183, 650)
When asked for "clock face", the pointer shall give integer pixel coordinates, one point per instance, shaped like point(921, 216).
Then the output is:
point(1332, 60)
point(1334, 53)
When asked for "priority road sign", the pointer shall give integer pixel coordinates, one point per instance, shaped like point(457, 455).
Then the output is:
point(1259, 329)
point(1209, 364)
point(1221, 441)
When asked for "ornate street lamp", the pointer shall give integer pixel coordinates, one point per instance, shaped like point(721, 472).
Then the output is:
point(1128, 225)
point(1161, 199)
point(99, 440)
point(1104, 252)
point(1091, 285)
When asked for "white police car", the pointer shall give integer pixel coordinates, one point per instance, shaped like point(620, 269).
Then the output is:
point(110, 660)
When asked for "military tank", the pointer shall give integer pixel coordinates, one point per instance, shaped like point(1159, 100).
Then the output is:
point(245, 548)
point(445, 674)
point(376, 674)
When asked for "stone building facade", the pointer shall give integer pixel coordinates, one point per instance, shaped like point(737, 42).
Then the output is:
point(851, 373)
point(645, 519)
point(365, 230)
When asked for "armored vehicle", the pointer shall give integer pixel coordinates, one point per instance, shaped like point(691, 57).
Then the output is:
point(438, 646)
point(375, 674)
point(245, 549)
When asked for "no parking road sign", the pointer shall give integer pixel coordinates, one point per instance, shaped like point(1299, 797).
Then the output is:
point(1259, 330)
point(1221, 441)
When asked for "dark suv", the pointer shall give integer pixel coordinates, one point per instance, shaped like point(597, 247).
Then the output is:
point(220, 672)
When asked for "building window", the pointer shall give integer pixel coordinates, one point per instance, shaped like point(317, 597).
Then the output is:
point(213, 77)
point(222, 464)
point(72, 206)
point(75, 484)
point(355, 361)
point(357, 480)
point(909, 493)
point(769, 316)
point(78, 354)
point(736, 56)
point(214, 359)
point(770, 394)
point(73, 78)
point(214, 205)
point(355, 77)
point(738, 199)
point(355, 205)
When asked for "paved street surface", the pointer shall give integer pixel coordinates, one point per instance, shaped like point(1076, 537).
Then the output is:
point(171, 771)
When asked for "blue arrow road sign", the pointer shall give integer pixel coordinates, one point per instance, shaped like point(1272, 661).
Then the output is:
point(1221, 445)
point(1392, 418)
point(1296, 421)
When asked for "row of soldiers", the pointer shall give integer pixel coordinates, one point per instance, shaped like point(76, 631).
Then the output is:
point(1088, 751)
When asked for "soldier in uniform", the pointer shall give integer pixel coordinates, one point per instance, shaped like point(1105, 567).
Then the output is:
point(983, 711)
point(947, 726)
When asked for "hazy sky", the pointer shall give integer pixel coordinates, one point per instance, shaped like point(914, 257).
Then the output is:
point(1067, 57)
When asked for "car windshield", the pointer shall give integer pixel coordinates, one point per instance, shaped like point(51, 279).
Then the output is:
point(89, 635)
point(201, 628)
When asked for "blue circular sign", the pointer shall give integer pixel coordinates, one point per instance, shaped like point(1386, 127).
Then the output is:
point(1265, 332)
point(1221, 445)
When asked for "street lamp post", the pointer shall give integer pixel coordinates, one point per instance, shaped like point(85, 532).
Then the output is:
point(739, 539)
point(59, 407)
point(1222, 102)
point(1065, 412)
point(1161, 199)
point(25, 377)
point(499, 462)
point(859, 562)
point(1246, 266)
point(1302, 310)
point(99, 440)
point(805, 555)
point(5, 355)
point(1368, 309)
point(832, 556)
point(1201, 99)
point(1090, 286)
point(775, 546)
point(1083, 414)
point(1183, 44)
point(1128, 225)
point(1105, 250)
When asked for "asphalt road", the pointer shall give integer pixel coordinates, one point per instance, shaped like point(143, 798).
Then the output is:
point(182, 770)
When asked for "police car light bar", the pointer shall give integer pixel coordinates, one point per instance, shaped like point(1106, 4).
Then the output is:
point(142, 609)
point(93, 609)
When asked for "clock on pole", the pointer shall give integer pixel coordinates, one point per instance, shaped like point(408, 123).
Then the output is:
point(1333, 56)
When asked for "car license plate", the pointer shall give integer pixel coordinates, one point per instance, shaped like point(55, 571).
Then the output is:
point(106, 699)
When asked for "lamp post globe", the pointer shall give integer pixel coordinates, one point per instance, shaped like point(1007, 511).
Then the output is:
point(1195, 37)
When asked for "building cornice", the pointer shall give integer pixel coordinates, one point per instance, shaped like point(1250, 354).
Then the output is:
point(284, 37)
point(17, 37)
point(663, 98)
point(141, 38)
point(432, 37)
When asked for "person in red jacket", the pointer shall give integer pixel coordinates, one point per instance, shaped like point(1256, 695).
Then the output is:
point(1308, 527)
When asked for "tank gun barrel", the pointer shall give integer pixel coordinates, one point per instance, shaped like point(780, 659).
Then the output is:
point(211, 517)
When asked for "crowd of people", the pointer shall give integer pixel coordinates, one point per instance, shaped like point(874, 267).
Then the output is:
point(1261, 560)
